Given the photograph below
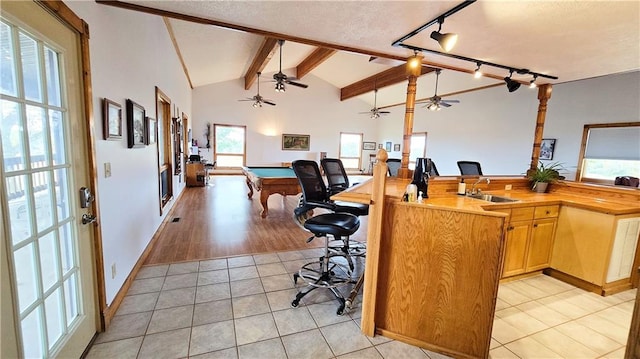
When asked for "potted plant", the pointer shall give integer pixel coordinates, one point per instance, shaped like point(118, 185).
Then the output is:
point(543, 175)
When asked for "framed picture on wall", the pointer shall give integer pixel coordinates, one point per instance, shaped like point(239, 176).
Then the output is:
point(152, 131)
point(387, 146)
point(295, 142)
point(380, 146)
point(547, 147)
point(396, 147)
point(136, 125)
point(111, 120)
point(369, 146)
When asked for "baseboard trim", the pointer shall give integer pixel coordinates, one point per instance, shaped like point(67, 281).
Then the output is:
point(110, 310)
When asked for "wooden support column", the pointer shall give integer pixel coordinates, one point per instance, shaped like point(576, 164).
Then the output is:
point(544, 94)
point(413, 73)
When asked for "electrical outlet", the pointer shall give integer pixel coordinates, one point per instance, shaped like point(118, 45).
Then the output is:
point(113, 271)
point(507, 187)
point(107, 169)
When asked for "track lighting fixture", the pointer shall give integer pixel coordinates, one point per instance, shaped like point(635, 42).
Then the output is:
point(414, 61)
point(512, 85)
point(446, 41)
point(477, 73)
point(532, 84)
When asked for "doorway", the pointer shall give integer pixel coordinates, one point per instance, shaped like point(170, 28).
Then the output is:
point(49, 281)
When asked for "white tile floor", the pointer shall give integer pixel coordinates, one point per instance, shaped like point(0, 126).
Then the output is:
point(240, 308)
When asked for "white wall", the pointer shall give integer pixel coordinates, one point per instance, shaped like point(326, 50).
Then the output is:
point(496, 127)
point(614, 98)
point(315, 111)
point(131, 53)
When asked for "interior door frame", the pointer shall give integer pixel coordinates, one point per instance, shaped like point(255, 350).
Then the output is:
point(65, 15)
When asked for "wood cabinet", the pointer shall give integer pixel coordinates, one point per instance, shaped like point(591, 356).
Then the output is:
point(597, 249)
point(529, 239)
point(195, 174)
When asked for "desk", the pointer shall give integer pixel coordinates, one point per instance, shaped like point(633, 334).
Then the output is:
point(270, 180)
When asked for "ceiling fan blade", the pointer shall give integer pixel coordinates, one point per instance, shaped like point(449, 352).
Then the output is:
point(268, 102)
point(450, 101)
point(384, 112)
point(444, 104)
point(249, 99)
point(304, 86)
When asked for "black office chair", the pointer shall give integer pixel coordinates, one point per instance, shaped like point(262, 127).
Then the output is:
point(434, 170)
point(325, 272)
point(469, 168)
point(393, 165)
point(336, 175)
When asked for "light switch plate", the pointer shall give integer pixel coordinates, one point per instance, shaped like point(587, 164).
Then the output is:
point(107, 169)
point(507, 187)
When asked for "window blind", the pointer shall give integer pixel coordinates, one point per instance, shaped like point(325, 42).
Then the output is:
point(619, 143)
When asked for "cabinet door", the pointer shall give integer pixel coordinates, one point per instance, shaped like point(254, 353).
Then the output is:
point(516, 248)
point(541, 243)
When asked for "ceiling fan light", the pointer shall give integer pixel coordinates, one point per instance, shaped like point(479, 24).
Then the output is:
point(446, 41)
point(433, 107)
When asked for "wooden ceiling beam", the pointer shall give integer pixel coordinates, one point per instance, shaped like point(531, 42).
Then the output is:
point(382, 79)
point(318, 56)
point(264, 54)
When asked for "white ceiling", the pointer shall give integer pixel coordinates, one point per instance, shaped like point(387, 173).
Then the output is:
point(569, 39)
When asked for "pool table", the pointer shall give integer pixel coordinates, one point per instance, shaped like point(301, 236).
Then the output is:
point(270, 180)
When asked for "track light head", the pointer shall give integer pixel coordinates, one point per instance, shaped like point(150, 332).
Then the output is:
point(446, 41)
point(511, 84)
point(532, 84)
point(477, 73)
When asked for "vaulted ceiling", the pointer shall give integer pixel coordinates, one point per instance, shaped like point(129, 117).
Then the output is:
point(334, 40)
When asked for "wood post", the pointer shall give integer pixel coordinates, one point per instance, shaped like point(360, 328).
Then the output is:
point(544, 94)
point(374, 233)
point(413, 73)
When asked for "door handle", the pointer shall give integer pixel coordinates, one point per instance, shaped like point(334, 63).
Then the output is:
point(88, 218)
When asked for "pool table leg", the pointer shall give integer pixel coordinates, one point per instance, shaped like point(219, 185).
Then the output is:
point(264, 196)
point(250, 194)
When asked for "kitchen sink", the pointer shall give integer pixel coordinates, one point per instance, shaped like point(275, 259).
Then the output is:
point(492, 198)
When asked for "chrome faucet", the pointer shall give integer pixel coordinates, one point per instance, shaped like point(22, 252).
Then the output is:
point(473, 188)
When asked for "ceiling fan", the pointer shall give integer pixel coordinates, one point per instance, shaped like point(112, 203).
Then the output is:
point(375, 111)
point(281, 78)
point(257, 99)
point(436, 102)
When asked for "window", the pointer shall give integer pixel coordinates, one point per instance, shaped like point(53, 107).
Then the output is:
point(229, 146)
point(609, 151)
point(417, 148)
point(350, 153)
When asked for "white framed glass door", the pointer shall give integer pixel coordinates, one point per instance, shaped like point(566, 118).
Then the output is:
point(46, 244)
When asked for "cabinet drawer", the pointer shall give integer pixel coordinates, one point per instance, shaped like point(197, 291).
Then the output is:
point(547, 211)
point(521, 214)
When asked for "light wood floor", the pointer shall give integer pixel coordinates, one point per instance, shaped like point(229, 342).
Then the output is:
point(219, 220)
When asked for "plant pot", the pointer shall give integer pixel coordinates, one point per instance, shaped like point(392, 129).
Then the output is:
point(540, 187)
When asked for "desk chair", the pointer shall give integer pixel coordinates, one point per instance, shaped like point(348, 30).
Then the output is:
point(336, 175)
point(434, 170)
point(394, 164)
point(469, 168)
point(326, 272)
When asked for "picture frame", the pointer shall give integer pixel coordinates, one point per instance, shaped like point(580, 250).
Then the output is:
point(111, 120)
point(294, 142)
point(380, 145)
point(547, 147)
point(152, 131)
point(136, 125)
point(387, 146)
point(369, 146)
point(396, 147)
